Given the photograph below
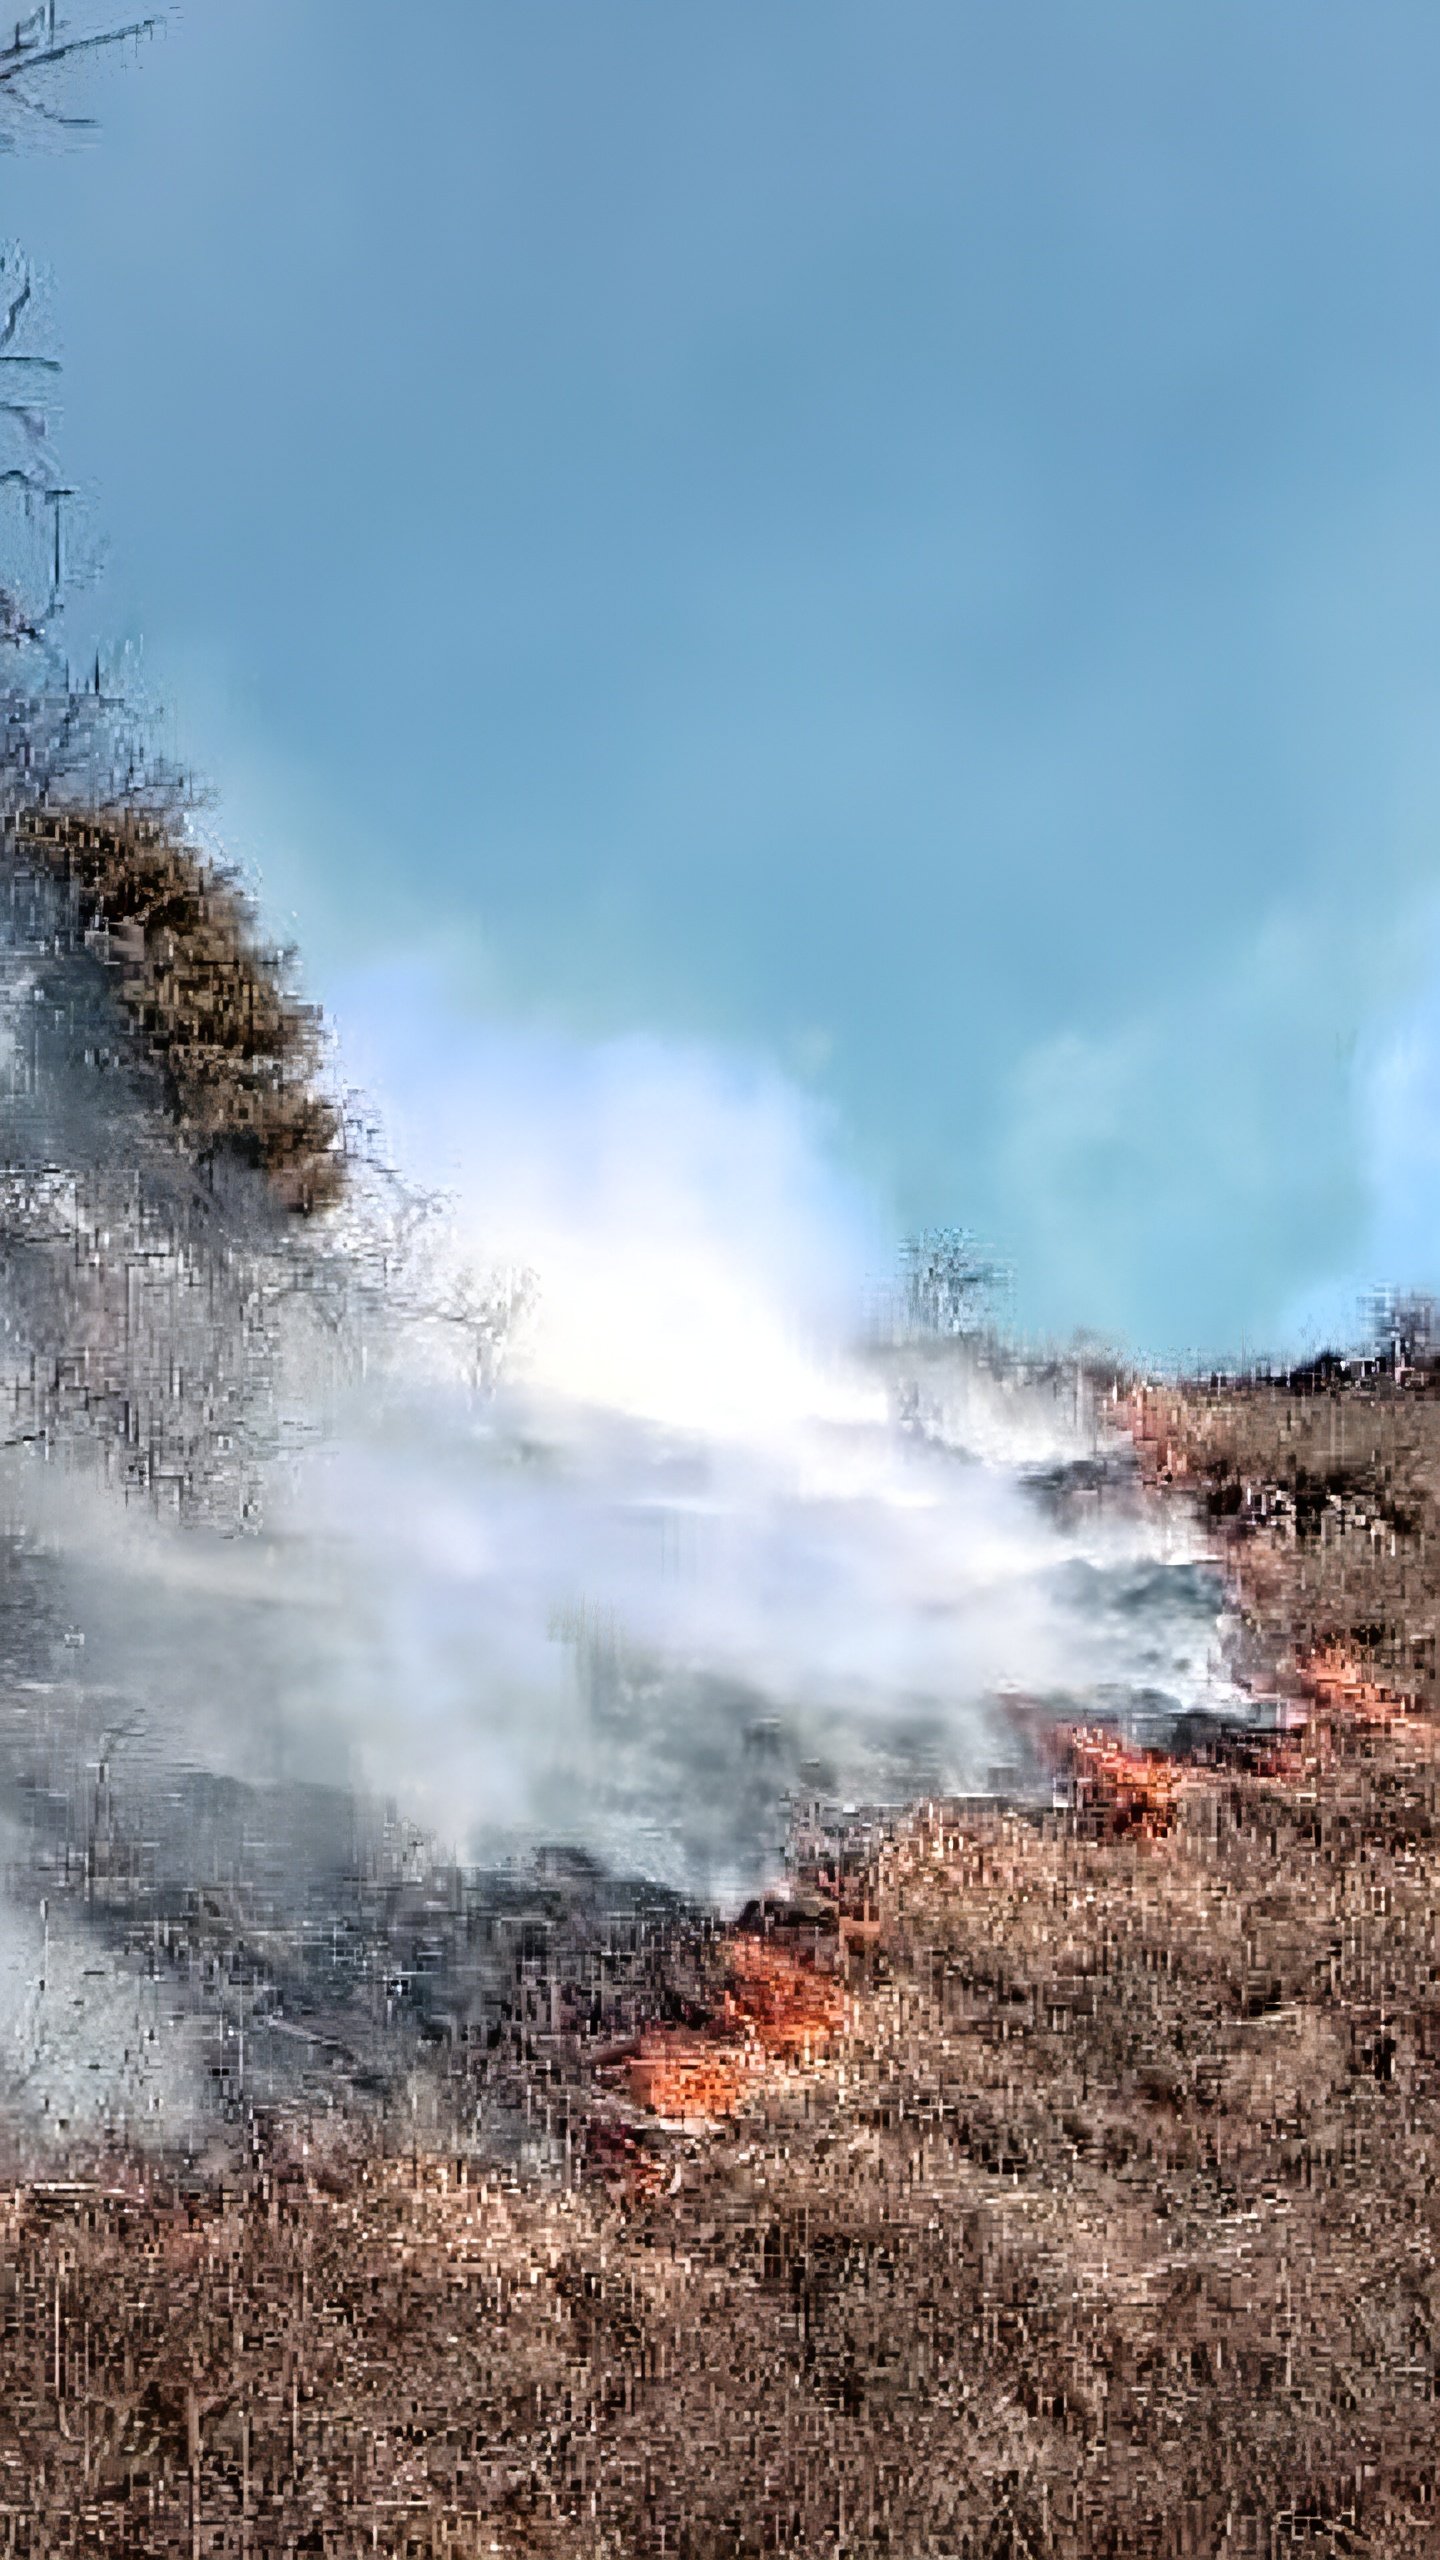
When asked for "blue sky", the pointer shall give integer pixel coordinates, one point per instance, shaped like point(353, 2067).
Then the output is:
point(892, 549)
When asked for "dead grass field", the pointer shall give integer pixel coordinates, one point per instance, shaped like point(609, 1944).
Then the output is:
point(1328, 1504)
point(1097, 2210)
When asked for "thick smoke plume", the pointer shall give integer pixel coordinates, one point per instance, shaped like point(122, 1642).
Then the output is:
point(344, 1565)
point(358, 1548)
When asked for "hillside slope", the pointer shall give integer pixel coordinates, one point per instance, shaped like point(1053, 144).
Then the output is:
point(1092, 2207)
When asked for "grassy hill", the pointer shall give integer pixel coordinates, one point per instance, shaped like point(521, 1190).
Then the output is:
point(1056, 2182)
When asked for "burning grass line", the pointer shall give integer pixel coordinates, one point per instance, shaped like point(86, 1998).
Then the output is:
point(1129, 1790)
point(775, 2016)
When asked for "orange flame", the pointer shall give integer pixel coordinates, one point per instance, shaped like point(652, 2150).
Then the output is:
point(778, 2001)
point(775, 2008)
point(682, 2076)
point(1136, 1790)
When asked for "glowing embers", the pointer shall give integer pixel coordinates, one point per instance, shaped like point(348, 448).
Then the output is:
point(686, 2076)
point(775, 2010)
point(1334, 1681)
point(779, 2003)
point(1134, 1791)
point(1125, 1789)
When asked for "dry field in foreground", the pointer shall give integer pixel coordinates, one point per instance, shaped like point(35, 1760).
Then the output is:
point(1091, 2206)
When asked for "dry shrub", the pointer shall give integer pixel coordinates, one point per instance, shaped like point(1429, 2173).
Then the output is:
point(236, 1051)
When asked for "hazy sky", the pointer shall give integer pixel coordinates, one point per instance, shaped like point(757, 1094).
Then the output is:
point(890, 547)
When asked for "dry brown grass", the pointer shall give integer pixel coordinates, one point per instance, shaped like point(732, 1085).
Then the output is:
point(1092, 2206)
point(1329, 1504)
point(1108, 2224)
point(207, 1002)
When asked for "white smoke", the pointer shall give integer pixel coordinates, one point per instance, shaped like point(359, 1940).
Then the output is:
point(682, 1555)
point(90, 2042)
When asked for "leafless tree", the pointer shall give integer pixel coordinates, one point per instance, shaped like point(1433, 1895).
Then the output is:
point(45, 45)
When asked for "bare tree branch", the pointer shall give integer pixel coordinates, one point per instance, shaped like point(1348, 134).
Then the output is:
point(14, 312)
point(19, 58)
point(28, 419)
point(50, 115)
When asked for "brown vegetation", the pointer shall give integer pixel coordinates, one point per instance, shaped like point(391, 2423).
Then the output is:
point(1328, 1506)
point(207, 1002)
point(1082, 2197)
point(1107, 2224)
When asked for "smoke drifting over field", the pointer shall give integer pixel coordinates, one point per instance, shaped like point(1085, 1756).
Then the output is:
point(590, 1507)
